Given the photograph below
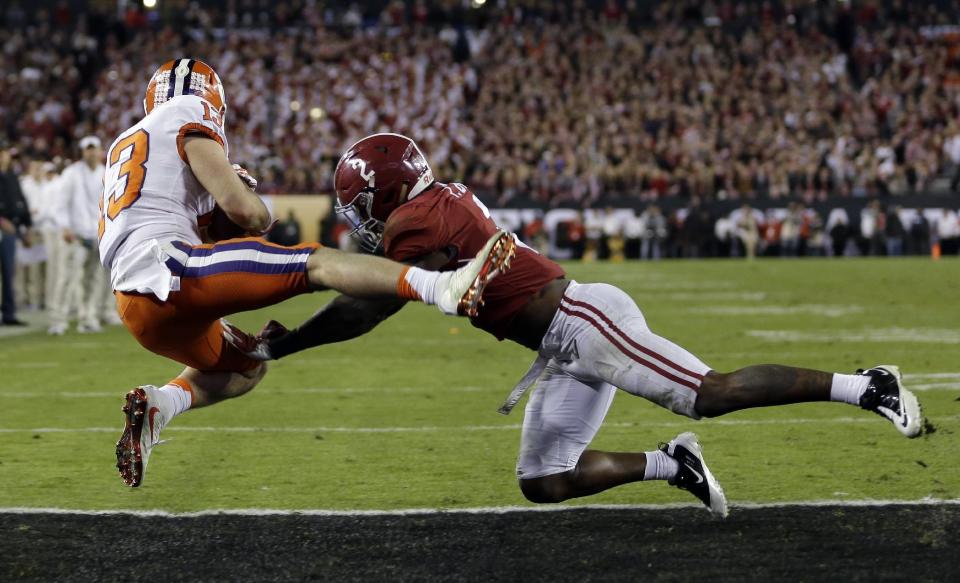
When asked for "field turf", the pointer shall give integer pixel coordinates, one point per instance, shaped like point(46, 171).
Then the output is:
point(406, 416)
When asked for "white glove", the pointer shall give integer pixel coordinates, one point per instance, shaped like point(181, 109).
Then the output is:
point(245, 176)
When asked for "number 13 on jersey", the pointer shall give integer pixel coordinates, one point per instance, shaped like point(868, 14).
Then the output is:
point(131, 174)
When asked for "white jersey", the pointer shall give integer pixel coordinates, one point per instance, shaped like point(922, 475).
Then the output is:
point(151, 196)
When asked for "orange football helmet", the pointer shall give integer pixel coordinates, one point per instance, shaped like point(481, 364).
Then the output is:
point(185, 77)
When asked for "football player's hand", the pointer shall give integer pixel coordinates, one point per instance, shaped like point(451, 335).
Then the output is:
point(6, 226)
point(252, 346)
point(271, 330)
point(245, 176)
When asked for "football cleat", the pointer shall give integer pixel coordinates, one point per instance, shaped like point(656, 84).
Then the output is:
point(462, 291)
point(887, 397)
point(140, 433)
point(694, 476)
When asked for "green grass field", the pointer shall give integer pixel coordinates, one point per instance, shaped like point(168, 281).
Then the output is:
point(406, 417)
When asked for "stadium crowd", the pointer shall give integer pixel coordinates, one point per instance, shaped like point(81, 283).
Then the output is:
point(648, 100)
point(679, 104)
point(696, 231)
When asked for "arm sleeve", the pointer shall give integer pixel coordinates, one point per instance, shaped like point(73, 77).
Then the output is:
point(410, 235)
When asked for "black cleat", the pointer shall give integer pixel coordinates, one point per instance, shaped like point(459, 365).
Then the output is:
point(887, 397)
point(694, 476)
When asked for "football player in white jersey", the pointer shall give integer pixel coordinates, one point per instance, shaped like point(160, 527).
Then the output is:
point(164, 178)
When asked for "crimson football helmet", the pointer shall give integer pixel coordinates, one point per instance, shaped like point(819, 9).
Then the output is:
point(374, 177)
point(185, 77)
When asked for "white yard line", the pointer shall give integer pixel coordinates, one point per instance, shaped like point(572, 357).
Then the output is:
point(436, 428)
point(830, 311)
point(867, 503)
point(933, 386)
point(898, 335)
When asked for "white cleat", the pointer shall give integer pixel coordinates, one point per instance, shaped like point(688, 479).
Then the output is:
point(694, 476)
point(90, 328)
point(141, 432)
point(57, 329)
point(462, 290)
point(887, 397)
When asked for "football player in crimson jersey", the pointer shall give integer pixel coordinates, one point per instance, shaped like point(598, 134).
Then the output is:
point(591, 339)
point(163, 175)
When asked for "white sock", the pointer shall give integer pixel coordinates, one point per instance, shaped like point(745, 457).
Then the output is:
point(660, 466)
point(174, 398)
point(848, 388)
point(422, 284)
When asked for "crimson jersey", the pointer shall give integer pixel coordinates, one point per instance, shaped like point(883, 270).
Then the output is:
point(449, 218)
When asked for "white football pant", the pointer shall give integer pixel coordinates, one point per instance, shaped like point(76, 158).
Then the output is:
point(598, 341)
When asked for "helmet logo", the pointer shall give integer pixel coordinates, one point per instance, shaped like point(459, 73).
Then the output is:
point(361, 165)
point(183, 69)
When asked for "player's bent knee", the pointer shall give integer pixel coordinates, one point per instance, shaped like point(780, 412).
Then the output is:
point(546, 489)
point(229, 385)
point(250, 379)
point(256, 374)
point(713, 395)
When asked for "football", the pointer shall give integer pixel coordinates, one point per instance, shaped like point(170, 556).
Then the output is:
point(221, 227)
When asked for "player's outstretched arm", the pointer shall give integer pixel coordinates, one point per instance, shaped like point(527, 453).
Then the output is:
point(213, 170)
point(345, 318)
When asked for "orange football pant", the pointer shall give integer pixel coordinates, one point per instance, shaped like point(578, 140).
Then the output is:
point(217, 280)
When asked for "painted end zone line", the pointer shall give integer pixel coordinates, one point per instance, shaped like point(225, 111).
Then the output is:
point(868, 503)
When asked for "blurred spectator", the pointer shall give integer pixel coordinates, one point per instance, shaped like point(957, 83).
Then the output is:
point(816, 239)
point(83, 285)
point(654, 228)
point(872, 227)
point(724, 230)
point(15, 222)
point(747, 231)
point(894, 233)
point(31, 260)
point(287, 231)
point(535, 235)
point(919, 242)
point(632, 235)
point(647, 100)
point(790, 231)
point(951, 148)
point(613, 240)
point(948, 233)
point(593, 227)
point(838, 227)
